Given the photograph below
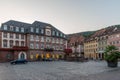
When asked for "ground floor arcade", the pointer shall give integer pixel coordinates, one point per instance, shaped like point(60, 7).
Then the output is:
point(7, 55)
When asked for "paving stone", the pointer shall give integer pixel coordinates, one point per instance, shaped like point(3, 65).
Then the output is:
point(59, 70)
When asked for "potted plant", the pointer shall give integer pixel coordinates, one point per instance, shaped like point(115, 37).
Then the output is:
point(111, 56)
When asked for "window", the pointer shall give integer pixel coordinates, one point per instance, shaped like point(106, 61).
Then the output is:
point(22, 29)
point(31, 45)
point(31, 29)
point(42, 39)
point(57, 41)
point(61, 35)
point(11, 28)
point(37, 45)
point(53, 40)
point(22, 43)
point(11, 35)
point(37, 37)
point(42, 46)
point(48, 39)
point(42, 31)
point(5, 35)
point(11, 43)
point(53, 33)
point(17, 36)
point(16, 43)
point(61, 47)
point(37, 30)
point(22, 36)
point(47, 46)
point(17, 29)
point(61, 41)
point(53, 47)
point(57, 34)
point(5, 27)
point(57, 47)
point(4, 43)
point(31, 37)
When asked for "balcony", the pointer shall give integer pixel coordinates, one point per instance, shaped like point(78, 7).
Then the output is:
point(20, 48)
point(49, 49)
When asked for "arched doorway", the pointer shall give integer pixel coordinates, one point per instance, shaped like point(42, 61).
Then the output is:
point(22, 55)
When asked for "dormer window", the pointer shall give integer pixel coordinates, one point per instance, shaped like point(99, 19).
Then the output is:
point(42, 31)
point(22, 29)
point(5, 27)
point(31, 29)
point(57, 34)
point(11, 28)
point(37, 30)
point(61, 35)
point(53, 33)
point(17, 29)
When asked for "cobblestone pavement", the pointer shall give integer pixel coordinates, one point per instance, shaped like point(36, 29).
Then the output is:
point(59, 70)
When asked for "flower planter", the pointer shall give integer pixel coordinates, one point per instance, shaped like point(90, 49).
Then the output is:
point(112, 64)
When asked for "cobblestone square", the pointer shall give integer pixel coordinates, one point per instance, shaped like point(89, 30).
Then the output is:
point(59, 70)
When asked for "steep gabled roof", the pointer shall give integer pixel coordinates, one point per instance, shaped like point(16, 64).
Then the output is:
point(43, 25)
point(17, 23)
point(40, 24)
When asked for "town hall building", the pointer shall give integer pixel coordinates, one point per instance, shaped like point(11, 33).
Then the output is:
point(36, 41)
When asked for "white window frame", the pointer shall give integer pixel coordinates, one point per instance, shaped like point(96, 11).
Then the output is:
point(11, 28)
point(5, 35)
point(42, 31)
point(32, 45)
point(31, 37)
point(42, 46)
point(37, 30)
point(37, 45)
point(22, 29)
point(37, 38)
point(42, 39)
point(5, 27)
point(17, 29)
point(53, 33)
point(31, 29)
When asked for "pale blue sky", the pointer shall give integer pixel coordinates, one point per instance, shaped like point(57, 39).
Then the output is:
point(70, 16)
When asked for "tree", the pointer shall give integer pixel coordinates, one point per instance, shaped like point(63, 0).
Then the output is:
point(111, 53)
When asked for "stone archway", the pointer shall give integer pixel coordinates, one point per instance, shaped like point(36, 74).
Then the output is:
point(22, 55)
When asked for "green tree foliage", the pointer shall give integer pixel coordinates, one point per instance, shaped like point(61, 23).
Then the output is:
point(111, 53)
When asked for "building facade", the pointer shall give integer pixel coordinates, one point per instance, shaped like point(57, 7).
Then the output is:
point(102, 44)
point(19, 40)
point(76, 44)
point(91, 45)
point(114, 38)
point(90, 48)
